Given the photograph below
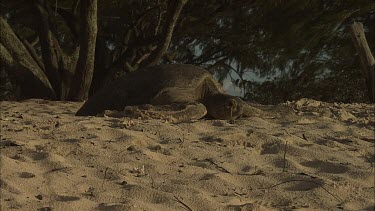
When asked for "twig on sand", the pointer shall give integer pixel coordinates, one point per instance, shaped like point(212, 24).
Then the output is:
point(152, 182)
point(304, 137)
point(284, 166)
point(288, 132)
point(57, 169)
point(105, 175)
point(217, 166)
point(181, 202)
point(182, 140)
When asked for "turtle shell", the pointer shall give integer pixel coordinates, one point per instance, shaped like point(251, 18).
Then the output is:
point(142, 87)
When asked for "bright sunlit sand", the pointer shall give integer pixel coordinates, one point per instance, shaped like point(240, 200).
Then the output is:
point(302, 155)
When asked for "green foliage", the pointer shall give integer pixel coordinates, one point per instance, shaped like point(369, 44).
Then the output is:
point(300, 42)
point(303, 46)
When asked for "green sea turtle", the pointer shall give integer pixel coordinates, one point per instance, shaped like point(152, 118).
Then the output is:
point(192, 88)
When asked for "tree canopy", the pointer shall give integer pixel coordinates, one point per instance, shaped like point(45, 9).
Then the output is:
point(68, 49)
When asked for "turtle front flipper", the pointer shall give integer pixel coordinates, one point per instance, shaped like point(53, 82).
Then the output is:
point(177, 112)
point(191, 111)
point(251, 111)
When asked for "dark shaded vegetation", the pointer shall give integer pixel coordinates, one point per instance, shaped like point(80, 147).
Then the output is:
point(68, 49)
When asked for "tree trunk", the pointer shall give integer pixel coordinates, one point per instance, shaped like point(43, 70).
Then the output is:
point(367, 59)
point(21, 66)
point(85, 65)
point(48, 46)
point(102, 58)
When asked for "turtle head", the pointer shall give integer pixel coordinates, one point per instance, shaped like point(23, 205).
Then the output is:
point(223, 106)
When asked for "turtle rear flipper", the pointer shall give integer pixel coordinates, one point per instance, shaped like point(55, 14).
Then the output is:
point(178, 112)
point(251, 111)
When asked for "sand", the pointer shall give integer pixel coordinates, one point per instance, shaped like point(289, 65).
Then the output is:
point(304, 155)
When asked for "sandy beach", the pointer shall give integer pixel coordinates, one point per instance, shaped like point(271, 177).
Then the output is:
point(303, 155)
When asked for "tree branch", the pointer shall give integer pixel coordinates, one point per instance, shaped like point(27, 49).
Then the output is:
point(367, 59)
point(71, 21)
point(75, 6)
point(175, 7)
point(5, 57)
point(33, 54)
point(20, 65)
point(49, 53)
point(35, 41)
